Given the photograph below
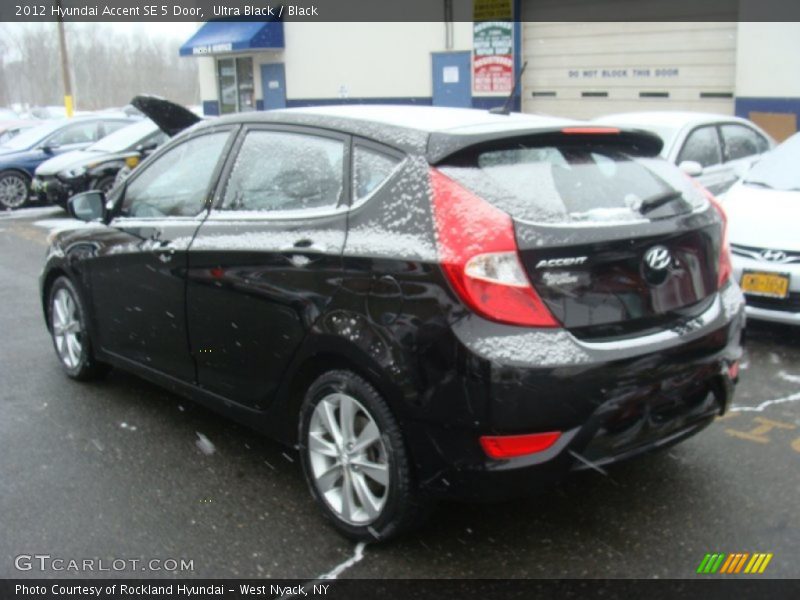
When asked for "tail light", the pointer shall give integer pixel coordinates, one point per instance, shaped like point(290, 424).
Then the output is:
point(510, 446)
point(725, 262)
point(478, 253)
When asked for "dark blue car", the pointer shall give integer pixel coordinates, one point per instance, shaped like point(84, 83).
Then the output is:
point(20, 155)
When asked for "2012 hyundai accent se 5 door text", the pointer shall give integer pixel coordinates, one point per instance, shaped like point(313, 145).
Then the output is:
point(426, 302)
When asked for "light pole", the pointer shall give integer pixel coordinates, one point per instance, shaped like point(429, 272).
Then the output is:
point(62, 43)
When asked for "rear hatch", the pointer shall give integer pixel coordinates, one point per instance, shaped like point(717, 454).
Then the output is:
point(614, 240)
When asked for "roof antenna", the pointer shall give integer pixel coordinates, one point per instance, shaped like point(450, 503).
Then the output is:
point(506, 108)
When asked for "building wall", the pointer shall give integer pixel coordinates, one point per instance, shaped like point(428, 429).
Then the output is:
point(752, 69)
point(367, 60)
point(586, 70)
point(351, 61)
point(768, 76)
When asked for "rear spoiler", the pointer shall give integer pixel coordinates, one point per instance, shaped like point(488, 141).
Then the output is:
point(443, 145)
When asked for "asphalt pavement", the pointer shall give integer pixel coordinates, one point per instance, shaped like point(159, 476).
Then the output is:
point(123, 470)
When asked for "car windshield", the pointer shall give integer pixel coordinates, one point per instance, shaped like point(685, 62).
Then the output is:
point(31, 137)
point(778, 169)
point(126, 138)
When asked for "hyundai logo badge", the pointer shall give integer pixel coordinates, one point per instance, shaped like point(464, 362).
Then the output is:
point(658, 258)
point(773, 255)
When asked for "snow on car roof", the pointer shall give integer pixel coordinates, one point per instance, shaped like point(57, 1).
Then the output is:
point(433, 118)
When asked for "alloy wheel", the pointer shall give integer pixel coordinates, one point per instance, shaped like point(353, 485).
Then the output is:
point(13, 191)
point(67, 331)
point(348, 459)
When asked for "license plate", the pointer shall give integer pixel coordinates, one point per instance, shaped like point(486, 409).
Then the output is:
point(771, 285)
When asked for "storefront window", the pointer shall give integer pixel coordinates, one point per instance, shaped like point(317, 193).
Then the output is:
point(236, 85)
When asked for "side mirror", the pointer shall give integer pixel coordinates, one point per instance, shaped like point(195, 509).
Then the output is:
point(87, 206)
point(47, 149)
point(691, 168)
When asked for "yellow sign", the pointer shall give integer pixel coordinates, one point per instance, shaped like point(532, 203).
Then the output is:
point(492, 10)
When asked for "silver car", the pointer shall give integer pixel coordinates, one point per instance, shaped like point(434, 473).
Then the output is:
point(764, 228)
point(714, 149)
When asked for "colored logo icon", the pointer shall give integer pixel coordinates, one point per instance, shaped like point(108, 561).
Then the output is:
point(741, 562)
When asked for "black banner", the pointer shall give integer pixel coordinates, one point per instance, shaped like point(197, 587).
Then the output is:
point(397, 10)
point(405, 589)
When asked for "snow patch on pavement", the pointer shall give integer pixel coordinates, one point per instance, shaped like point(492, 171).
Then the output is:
point(342, 567)
point(205, 445)
point(26, 213)
point(764, 405)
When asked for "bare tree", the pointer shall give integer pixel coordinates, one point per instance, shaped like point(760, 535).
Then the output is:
point(108, 68)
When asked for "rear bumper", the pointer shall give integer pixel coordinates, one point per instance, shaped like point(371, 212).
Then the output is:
point(611, 404)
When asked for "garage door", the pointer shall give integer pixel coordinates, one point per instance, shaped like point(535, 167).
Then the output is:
point(584, 70)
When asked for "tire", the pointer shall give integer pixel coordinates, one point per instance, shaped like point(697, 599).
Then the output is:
point(15, 189)
point(104, 184)
point(68, 318)
point(387, 479)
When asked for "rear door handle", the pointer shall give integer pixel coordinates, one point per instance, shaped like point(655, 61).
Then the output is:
point(164, 250)
point(304, 244)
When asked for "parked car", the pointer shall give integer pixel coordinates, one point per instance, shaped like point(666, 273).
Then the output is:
point(97, 166)
point(714, 149)
point(12, 128)
point(764, 218)
point(427, 302)
point(20, 155)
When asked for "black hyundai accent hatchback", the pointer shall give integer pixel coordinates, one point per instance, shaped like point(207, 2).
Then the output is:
point(426, 302)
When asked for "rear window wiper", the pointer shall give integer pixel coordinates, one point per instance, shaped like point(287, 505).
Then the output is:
point(653, 202)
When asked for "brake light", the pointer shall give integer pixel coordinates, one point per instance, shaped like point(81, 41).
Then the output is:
point(510, 446)
point(590, 130)
point(478, 253)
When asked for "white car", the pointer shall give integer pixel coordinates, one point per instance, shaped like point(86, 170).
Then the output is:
point(764, 232)
point(714, 149)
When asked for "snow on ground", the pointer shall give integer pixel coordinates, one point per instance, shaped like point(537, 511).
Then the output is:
point(55, 225)
point(27, 213)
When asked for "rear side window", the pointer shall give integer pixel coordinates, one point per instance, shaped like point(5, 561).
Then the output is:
point(278, 171)
point(79, 133)
point(370, 169)
point(571, 184)
point(702, 146)
point(110, 127)
point(741, 142)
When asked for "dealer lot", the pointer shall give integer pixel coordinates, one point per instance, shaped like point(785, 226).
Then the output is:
point(123, 469)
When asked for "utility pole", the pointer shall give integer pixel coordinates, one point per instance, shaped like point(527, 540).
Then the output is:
point(62, 43)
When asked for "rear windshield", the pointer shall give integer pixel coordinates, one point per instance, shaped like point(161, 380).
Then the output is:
point(574, 184)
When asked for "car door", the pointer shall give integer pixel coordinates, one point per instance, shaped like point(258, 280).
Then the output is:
point(741, 147)
point(267, 260)
point(138, 279)
point(702, 145)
